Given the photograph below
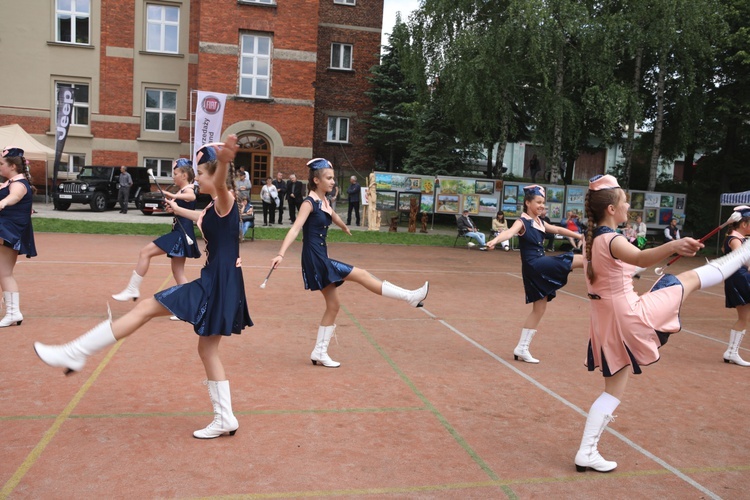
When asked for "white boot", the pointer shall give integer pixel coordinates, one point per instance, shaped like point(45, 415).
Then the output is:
point(413, 297)
point(732, 354)
point(12, 311)
point(320, 353)
point(522, 349)
point(224, 420)
point(72, 356)
point(722, 268)
point(133, 291)
point(588, 456)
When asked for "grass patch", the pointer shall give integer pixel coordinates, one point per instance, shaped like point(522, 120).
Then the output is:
point(43, 225)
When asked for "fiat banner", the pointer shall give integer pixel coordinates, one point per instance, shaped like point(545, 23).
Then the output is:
point(209, 114)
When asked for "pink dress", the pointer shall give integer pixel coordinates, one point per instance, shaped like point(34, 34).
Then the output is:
point(624, 325)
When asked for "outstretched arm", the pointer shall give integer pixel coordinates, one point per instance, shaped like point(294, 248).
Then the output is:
point(224, 154)
point(507, 234)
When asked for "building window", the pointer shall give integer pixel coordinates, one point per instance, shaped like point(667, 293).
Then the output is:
point(338, 129)
point(80, 115)
point(264, 2)
point(161, 110)
point(255, 66)
point(75, 163)
point(346, 2)
point(162, 167)
point(72, 21)
point(162, 28)
point(341, 56)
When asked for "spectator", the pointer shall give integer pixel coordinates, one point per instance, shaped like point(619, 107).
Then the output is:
point(280, 185)
point(294, 196)
point(499, 225)
point(354, 196)
point(247, 217)
point(640, 232)
point(242, 186)
point(125, 181)
point(671, 232)
point(467, 228)
point(270, 198)
point(573, 224)
point(333, 195)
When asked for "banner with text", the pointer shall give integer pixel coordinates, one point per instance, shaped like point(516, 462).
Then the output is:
point(65, 101)
point(209, 114)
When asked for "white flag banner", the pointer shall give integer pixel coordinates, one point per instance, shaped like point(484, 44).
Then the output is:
point(209, 114)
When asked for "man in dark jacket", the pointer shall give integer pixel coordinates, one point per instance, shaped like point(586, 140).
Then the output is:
point(280, 185)
point(294, 196)
point(354, 195)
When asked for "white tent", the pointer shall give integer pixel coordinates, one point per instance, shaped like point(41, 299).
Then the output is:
point(734, 199)
point(14, 136)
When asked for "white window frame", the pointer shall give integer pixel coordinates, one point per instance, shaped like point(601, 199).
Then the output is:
point(346, 2)
point(334, 127)
point(263, 2)
point(161, 111)
point(74, 14)
point(163, 166)
point(78, 106)
point(75, 161)
point(163, 25)
point(338, 55)
point(250, 60)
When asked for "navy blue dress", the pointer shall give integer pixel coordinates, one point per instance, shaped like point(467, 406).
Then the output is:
point(215, 303)
point(15, 222)
point(318, 271)
point(542, 274)
point(174, 243)
point(737, 286)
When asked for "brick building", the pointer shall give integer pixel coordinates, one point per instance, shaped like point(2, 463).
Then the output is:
point(294, 71)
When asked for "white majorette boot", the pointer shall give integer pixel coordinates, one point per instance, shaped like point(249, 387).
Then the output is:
point(12, 311)
point(722, 268)
point(224, 421)
point(415, 298)
point(320, 353)
point(522, 349)
point(732, 355)
point(133, 291)
point(72, 356)
point(588, 456)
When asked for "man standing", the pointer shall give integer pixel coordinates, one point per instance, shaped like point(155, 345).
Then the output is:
point(125, 181)
point(467, 228)
point(354, 195)
point(281, 188)
point(294, 196)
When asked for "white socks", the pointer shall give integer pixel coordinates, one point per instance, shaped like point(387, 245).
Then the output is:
point(606, 403)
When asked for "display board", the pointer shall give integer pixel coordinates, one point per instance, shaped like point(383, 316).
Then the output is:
point(484, 197)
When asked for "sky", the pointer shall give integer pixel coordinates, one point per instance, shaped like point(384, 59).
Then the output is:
point(390, 7)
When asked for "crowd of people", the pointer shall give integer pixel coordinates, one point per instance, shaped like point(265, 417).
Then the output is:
point(626, 329)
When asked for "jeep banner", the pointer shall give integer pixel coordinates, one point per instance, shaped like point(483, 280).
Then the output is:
point(209, 114)
point(65, 100)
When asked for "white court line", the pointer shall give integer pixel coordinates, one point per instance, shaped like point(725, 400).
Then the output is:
point(575, 408)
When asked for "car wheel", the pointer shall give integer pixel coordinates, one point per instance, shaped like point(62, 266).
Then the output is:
point(98, 202)
point(61, 205)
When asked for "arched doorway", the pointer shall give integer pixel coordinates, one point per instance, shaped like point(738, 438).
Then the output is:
point(255, 156)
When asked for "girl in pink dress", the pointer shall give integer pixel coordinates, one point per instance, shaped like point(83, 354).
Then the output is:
point(628, 329)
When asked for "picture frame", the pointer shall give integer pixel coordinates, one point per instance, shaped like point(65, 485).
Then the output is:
point(382, 181)
point(448, 186)
point(637, 200)
point(634, 214)
point(511, 210)
point(488, 204)
point(555, 211)
point(386, 200)
point(510, 195)
point(415, 184)
point(428, 186)
point(447, 204)
point(470, 202)
point(652, 200)
point(484, 187)
point(667, 201)
point(555, 194)
point(679, 203)
point(576, 196)
point(427, 203)
point(665, 216)
point(404, 200)
point(466, 186)
point(651, 215)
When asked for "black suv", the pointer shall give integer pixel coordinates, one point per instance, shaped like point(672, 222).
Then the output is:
point(153, 202)
point(98, 187)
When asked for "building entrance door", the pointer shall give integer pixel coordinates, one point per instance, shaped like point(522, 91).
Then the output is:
point(255, 156)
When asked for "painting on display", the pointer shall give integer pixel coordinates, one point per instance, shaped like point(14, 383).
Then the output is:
point(555, 195)
point(484, 187)
point(471, 203)
point(651, 214)
point(498, 186)
point(427, 203)
point(386, 200)
point(554, 211)
point(487, 205)
point(404, 200)
point(449, 186)
point(576, 196)
point(447, 203)
point(511, 210)
point(637, 200)
point(510, 195)
point(679, 203)
point(415, 184)
point(652, 200)
point(576, 209)
point(400, 182)
point(665, 216)
point(428, 185)
point(634, 214)
point(667, 201)
point(382, 181)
